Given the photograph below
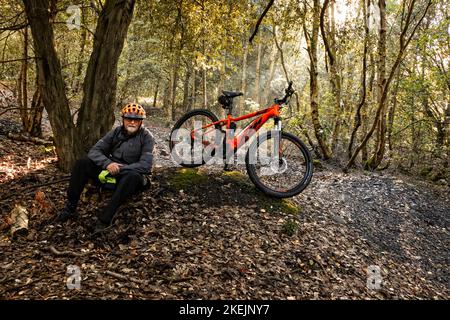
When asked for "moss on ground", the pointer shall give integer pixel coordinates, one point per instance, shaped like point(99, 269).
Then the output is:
point(279, 205)
point(185, 178)
point(317, 164)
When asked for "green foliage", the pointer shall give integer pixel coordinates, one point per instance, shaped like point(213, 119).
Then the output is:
point(289, 227)
point(185, 178)
point(279, 205)
point(317, 164)
point(191, 40)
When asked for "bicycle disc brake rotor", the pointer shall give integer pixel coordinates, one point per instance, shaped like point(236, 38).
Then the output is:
point(276, 166)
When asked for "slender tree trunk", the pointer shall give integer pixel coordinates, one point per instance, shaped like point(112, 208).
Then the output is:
point(391, 112)
point(257, 91)
point(366, 111)
point(187, 78)
point(155, 95)
point(378, 155)
point(173, 103)
point(365, 129)
point(177, 60)
point(205, 93)
point(414, 137)
point(37, 107)
point(222, 76)
point(22, 85)
point(193, 99)
point(243, 79)
point(283, 65)
point(168, 96)
point(329, 39)
point(273, 60)
point(446, 128)
point(313, 83)
point(362, 100)
point(77, 78)
point(280, 51)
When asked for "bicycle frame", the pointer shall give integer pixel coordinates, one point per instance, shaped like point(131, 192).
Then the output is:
point(240, 139)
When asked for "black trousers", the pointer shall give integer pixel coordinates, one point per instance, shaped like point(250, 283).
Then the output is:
point(128, 183)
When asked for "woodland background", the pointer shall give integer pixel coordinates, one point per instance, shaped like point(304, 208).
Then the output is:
point(372, 77)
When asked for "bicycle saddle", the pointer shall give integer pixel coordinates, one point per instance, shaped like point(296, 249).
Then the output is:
point(231, 94)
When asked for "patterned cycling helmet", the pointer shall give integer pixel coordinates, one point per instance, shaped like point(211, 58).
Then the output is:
point(133, 111)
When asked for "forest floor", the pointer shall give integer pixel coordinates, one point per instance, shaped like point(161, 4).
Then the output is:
point(210, 234)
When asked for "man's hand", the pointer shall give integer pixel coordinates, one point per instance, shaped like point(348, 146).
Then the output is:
point(114, 168)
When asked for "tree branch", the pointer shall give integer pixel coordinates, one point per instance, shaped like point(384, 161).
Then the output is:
point(15, 60)
point(260, 20)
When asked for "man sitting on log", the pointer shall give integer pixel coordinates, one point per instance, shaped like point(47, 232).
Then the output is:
point(122, 158)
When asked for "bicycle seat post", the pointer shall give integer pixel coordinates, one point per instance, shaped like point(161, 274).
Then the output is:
point(230, 109)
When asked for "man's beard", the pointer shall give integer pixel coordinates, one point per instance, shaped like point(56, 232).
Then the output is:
point(131, 130)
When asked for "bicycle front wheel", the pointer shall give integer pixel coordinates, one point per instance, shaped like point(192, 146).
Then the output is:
point(283, 173)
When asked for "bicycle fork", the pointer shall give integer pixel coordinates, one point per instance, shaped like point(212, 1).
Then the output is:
point(277, 162)
point(277, 140)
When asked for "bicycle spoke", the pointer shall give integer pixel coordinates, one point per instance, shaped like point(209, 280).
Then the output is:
point(273, 175)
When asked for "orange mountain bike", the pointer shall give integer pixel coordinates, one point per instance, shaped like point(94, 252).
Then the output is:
point(277, 162)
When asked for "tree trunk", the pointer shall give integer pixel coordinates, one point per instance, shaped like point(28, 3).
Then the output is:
point(96, 115)
point(378, 155)
point(49, 73)
point(173, 102)
point(414, 137)
point(37, 107)
point(22, 88)
point(187, 78)
point(362, 100)
point(77, 78)
point(256, 92)
point(313, 83)
point(366, 116)
point(391, 113)
point(193, 98)
point(243, 80)
point(335, 79)
point(446, 128)
point(205, 93)
point(167, 98)
point(176, 61)
point(273, 59)
point(155, 96)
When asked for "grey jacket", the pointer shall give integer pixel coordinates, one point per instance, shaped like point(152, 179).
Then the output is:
point(134, 152)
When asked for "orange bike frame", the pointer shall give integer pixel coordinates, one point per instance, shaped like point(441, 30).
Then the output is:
point(238, 140)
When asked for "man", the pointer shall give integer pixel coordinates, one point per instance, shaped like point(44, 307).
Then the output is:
point(126, 152)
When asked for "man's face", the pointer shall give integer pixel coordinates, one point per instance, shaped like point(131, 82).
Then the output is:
point(131, 125)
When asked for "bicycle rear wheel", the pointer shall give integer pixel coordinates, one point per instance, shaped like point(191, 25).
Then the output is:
point(189, 145)
point(282, 176)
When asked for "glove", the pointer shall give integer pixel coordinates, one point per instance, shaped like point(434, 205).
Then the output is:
point(104, 177)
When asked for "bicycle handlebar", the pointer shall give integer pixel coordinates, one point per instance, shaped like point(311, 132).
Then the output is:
point(289, 92)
